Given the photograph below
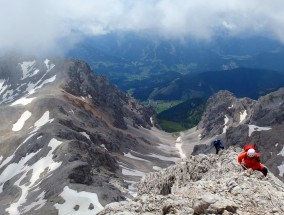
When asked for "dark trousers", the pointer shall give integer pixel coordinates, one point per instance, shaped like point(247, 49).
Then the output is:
point(218, 149)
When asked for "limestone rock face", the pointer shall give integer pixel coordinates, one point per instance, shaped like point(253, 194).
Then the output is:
point(205, 184)
point(223, 110)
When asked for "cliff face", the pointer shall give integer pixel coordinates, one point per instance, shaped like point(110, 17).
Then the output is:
point(205, 184)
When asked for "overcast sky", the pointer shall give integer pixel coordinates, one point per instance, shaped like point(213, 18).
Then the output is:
point(42, 25)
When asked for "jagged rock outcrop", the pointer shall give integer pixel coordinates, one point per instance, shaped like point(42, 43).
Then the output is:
point(205, 184)
point(223, 110)
point(238, 122)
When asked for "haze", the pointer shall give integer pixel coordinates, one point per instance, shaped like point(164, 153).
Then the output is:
point(52, 25)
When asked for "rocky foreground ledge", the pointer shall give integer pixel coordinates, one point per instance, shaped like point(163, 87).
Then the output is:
point(205, 184)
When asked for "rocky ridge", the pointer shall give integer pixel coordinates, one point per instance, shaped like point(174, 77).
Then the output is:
point(205, 184)
point(70, 141)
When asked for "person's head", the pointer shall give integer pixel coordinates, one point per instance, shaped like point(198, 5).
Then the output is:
point(251, 152)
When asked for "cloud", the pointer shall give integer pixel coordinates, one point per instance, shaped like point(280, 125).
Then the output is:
point(38, 26)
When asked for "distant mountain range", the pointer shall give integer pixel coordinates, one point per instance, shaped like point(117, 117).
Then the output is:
point(131, 61)
point(161, 72)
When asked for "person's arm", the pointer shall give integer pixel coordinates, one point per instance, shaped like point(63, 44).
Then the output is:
point(240, 158)
point(257, 157)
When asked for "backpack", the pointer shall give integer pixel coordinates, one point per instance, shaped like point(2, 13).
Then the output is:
point(249, 146)
point(218, 143)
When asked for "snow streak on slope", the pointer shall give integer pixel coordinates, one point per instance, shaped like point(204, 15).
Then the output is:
point(23, 101)
point(2, 86)
point(88, 203)
point(253, 128)
point(21, 121)
point(42, 121)
point(29, 83)
point(131, 172)
point(226, 120)
point(129, 155)
point(243, 116)
point(281, 167)
point(161, 157)
point(48, 65)
point(178, 146)
point(39, 170)
point(27, 68)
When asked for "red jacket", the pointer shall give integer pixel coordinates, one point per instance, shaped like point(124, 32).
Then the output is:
point(250, 162)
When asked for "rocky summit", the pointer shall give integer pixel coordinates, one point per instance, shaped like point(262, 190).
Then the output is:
point(70, 141)
point(205, 184)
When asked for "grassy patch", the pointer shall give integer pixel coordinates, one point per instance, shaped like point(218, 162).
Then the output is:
point(161, 106)
point(170, 126)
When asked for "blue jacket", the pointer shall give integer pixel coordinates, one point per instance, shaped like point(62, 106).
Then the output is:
point(218, 143)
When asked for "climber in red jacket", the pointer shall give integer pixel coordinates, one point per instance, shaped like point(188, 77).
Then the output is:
point(251, 160)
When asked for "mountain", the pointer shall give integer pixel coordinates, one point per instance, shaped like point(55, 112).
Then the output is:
point(161, 71)
point(194, 89)
point(243, 82)
point(205, 184)
point(238, 122)
point(130, 60)
point(71, 142)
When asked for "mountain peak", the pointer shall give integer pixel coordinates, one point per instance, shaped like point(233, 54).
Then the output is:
point(205, 184)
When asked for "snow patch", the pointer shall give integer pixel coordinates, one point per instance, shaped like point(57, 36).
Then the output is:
point(157, 168)
point(82, 199)
point(173, 159)
point(39, 203)
point(243, 116)
point(167, 148)
point(131, 172)
point(32, 87)
point(20, 123)
point(253, 128)
point(226, 119)
point(86, 135)
point(2, 87)
point(103, 146)
point(39, 171)
point(231, 107)
point(42, 121)
point(27, 67)
point(7, 160)
point(129, 155)
point(281, 170)
point(282, 152)
point(48, 65)
point(178, 146)
point(22, 101)
point(151, 120)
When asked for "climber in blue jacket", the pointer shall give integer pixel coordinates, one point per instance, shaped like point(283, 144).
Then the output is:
point(218, 145)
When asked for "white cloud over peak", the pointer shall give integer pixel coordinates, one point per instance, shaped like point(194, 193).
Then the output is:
point(43, 25)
